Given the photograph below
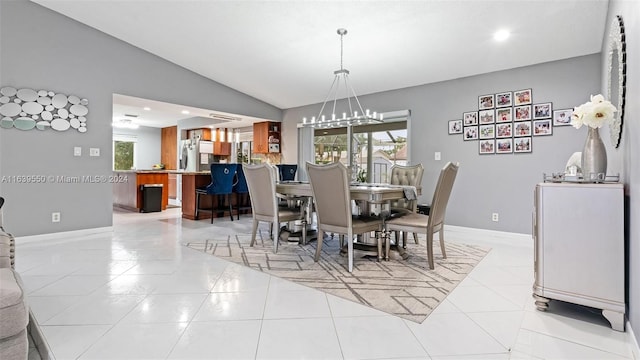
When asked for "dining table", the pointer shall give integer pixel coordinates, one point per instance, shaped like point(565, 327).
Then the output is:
point(373, 199)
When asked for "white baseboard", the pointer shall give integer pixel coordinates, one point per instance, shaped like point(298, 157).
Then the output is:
point(633, 342)
point(62, 236)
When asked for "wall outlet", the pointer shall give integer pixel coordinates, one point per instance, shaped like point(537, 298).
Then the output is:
point(77, 151)
point(55, 217)
point(495, 217)
point(94, 151)
point(437, 156)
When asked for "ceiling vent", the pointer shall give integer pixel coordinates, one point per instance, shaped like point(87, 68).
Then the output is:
point(223, 117)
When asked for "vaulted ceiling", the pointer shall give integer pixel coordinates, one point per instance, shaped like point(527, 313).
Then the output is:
point(285, 52)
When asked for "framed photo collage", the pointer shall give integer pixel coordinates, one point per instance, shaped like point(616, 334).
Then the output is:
point(506, 122)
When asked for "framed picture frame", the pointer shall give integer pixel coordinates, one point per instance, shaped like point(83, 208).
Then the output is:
point(470, 133)
point(522, 145)
point(542, 127)
point(504, 130)
point(522, 128)
point(487, 131)
point(562, 117)
point(504, 146)
point(486, 102)
point(487, 116)
point(504, 99)
point(522, 97)
point(542, 111)
point(470, 118)
point(504, 115)
point(522, 113)
point(487, 146)
point(455, 127)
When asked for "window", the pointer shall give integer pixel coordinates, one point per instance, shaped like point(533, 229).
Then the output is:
point(386, 143)
point(124, 149)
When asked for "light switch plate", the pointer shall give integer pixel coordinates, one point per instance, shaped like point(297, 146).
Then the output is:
point(77, 151)
point(94, 152)
point(437, 155)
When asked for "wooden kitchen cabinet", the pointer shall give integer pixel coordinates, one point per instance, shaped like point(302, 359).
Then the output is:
point(169, 147)
point(221, 148)
point(266, 137)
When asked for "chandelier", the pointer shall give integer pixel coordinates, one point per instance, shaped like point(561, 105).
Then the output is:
point(353, 117)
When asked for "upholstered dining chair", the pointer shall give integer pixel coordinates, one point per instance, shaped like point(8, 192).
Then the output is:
point(287, 172)
point(434, 222)
point(332, 198)
point(410, 175)
point(261, 180)
point(241, 189)
point(222, 178)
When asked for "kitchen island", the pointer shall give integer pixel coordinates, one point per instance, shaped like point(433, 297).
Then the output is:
point(127, 194)
point(190, 181)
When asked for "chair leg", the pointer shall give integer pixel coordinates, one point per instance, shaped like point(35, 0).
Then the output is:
point(387, 244)
point(276, 238)
point(253, 232)
point(415, 238)
point(379, 241)
point(430, 249)
point(341, 239)
point(350, 249)
point(444, 252)
point(212, 207)
point(319, 244)
point(228, 196)
point(238, 203)
point(197, 205)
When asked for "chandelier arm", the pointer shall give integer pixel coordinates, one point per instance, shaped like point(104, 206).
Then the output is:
point(357, 100)
point(346, 88)
point(335, 95)
point(335, 78)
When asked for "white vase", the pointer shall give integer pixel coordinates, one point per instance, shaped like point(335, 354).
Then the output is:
point(594, 157)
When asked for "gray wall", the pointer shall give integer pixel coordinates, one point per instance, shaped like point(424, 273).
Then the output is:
point(147, 145)
point(501, 183)
point(56, 53)
point(623, 159)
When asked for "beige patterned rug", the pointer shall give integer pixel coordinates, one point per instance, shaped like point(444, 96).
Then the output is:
point(405, 288)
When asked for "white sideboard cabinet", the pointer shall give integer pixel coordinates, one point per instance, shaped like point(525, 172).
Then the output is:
point(578, 231)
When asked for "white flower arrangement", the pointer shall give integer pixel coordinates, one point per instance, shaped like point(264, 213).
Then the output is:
point(595, 113)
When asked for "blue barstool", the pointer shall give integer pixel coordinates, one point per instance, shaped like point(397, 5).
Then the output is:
point(222, 177)
point(240, 188)
point(287, 172)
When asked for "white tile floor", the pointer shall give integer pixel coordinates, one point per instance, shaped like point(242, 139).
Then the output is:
point(137, 293)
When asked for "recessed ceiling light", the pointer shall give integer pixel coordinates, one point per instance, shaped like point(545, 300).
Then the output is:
point(185, 112)
point(501, 35)
point(146, 108)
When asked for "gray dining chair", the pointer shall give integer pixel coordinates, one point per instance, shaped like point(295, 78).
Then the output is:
point(332, 198)
point(261, 180)
point(410, 175)
point(434, 222)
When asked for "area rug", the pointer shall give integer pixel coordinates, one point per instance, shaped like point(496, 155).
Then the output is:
point(402, 287)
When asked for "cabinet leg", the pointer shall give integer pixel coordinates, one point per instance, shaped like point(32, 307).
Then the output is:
point(615, 318)
point(542, 303)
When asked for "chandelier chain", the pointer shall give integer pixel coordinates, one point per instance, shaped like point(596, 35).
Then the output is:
point(341, 50)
